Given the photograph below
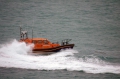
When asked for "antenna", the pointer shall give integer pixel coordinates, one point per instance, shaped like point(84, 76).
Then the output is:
point(20, 32)
point(32, 35)
point(32, 30)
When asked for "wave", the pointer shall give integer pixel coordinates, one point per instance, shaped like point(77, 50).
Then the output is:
point(16, 55)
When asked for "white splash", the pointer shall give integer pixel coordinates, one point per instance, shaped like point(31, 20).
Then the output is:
point(15, 54)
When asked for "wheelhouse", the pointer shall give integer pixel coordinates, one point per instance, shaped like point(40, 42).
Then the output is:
point(40, 41)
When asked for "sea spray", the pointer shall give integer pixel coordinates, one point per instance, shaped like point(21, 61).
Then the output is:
point(16, 47)
point(15, 54)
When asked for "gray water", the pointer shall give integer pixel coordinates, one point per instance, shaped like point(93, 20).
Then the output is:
point(93, 26)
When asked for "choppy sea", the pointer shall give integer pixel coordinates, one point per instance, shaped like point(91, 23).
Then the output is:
point(93, 26)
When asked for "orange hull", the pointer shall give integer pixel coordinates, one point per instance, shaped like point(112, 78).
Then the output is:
point(52, 50)
point(55, 49)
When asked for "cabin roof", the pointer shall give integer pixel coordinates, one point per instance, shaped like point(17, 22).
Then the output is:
point(39, 39)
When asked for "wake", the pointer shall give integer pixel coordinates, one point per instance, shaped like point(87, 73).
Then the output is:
point(16, 54)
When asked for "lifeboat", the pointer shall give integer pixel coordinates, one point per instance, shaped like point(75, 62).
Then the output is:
point(43, 45)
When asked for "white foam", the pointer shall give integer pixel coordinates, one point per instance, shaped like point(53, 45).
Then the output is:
point(15, 54)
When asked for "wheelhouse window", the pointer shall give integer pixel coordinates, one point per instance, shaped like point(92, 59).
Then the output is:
point(45, 42)
point(39, 41)
point(34, 41)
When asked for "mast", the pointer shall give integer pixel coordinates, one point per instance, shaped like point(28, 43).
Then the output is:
point(32, 35)
point(32, 30)
point(23, 34)
point(20, 32)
